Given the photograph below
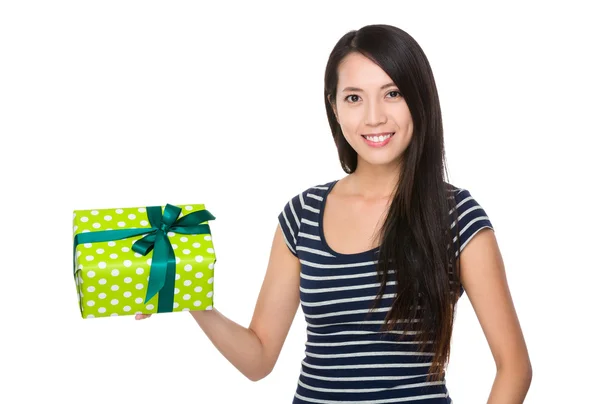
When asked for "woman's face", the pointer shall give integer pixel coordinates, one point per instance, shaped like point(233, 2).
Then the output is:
point(374, 118)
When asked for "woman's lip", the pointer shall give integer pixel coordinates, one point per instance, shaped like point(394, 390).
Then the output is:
point(378, 144)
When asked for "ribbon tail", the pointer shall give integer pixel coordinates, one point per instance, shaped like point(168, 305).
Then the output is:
point(162, 270)
point(166, 296)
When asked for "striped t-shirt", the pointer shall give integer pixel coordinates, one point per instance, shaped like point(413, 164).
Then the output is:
point(347, 358)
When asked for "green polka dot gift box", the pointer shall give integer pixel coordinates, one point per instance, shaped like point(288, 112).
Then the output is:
point(154, 259)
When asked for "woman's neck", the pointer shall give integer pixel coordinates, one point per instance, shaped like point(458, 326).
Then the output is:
point(372, 182)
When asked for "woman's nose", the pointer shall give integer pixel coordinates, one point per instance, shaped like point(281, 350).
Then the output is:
point(375, 114)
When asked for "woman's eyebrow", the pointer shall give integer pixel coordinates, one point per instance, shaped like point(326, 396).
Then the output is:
point(383, 87)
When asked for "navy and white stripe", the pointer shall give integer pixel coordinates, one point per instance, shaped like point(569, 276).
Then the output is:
point(347, 358)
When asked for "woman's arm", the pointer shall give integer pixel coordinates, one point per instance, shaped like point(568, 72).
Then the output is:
point(254, 350)
point(484, 279)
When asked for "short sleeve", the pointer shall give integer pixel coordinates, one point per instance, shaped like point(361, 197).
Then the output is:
point(289, 221)
point(472, 218)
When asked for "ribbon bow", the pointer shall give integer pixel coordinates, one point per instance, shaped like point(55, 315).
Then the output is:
point(162, 268)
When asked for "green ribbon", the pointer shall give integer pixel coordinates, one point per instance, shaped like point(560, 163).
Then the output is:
point(162, 268)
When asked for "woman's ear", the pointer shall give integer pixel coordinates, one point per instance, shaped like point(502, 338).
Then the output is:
point(333, 107)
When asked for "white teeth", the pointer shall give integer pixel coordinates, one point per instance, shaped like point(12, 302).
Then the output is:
point(379, 138)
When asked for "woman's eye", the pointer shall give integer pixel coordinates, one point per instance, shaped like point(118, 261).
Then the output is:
point(352, 98)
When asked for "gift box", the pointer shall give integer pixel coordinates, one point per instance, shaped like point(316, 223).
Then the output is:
point(154, 259)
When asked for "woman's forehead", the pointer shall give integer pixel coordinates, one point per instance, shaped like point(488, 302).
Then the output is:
point(359, 72)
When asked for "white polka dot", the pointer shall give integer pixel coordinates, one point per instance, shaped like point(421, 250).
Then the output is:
point(114, 302)
point(210, 280)
point(91, 274)
point(91, 303)
point(114, 272)
point(196, 245)
point(91, 289)
point(99, 251)
point(137, 255)
point(84, 219)
point(107, 218)
point(127, 294)
point(89, 258)
point(102, 265)
point(197, 303)
point(78, 254)
point(187, 282)
point(102, 281)
point(188, 267)
point(144, 223)
point(131, 216)
point(74, 215)
point(139, 271)
point(183, 239)
point(171, 234)
point(114, 315)
point(210, 250)
point(90, 316)
point(141, 210)
point(126, 308)
point(80, 266)
point(127, 280)
point(102, 295)
point(75, 228)
point(139, 286)
point(101, 310)
point(119, 211)
point(139, 300)
point(112, 243)
point(209, 294)
point(121, 224)
point(175, 305)
point(208, 308)
point(175, 246)
point(114, 256)
point(198, 289)
point(87, 245)
point(177, 276)
point(211, 265)
point(127, 263)
point(138, 312)
point(125, 249)
point(188, 207)
point(186, 297)
point(175, 291)
point(199, 275)
point(185, 309)
point(207, 238)
point(85, 231)
point(199, 258)
point(149, 261)
point(150, 306)
point(114, 288)
point(186, 251)
point(94, 212)
point(96, 225)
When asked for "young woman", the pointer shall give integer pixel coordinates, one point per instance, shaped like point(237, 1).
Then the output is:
point(378, 259)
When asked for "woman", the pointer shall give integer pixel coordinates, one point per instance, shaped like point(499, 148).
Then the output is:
point(379, 258)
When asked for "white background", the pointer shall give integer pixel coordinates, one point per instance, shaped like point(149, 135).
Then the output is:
point(136, 103)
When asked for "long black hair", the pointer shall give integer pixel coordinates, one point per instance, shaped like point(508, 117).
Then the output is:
point(416, 236)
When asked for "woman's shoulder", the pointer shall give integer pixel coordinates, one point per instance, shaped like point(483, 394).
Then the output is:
point(315, 191)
